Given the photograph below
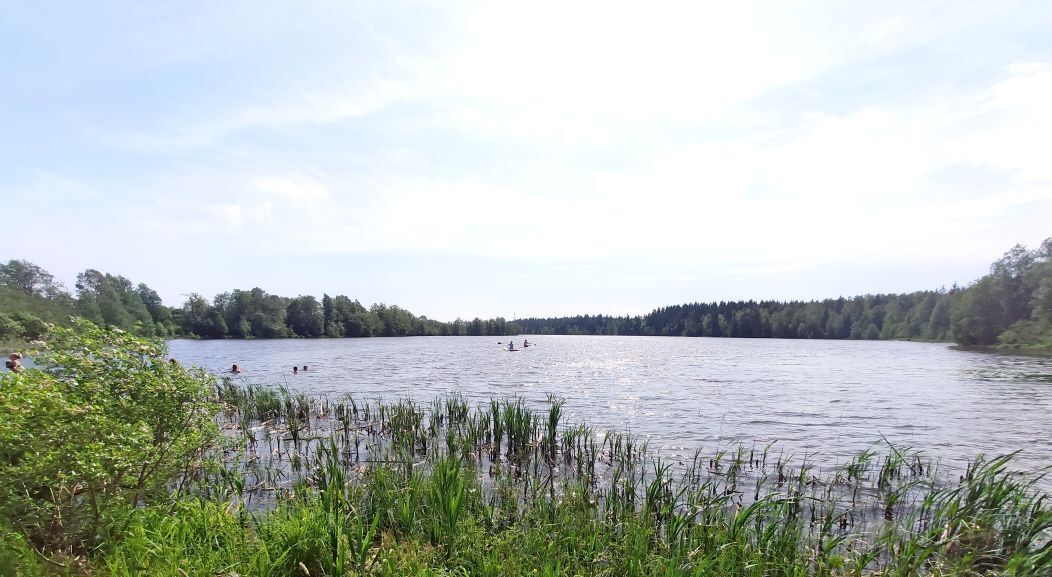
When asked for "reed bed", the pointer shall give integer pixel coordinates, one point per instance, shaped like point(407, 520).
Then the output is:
point(319, 486)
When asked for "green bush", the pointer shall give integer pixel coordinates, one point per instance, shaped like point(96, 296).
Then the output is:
point(106, 424)
point(10, 328)
point(16, 558)
point(1031, 335)
point(33, 327)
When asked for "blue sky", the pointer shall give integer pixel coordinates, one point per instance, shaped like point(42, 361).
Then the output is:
point(516, 159)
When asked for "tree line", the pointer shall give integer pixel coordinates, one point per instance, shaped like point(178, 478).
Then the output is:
point(1010, 307)
point(921, 315)
point(256, 314)
point(30, 298)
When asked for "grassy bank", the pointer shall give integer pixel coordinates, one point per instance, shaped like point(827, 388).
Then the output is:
point(287, 484)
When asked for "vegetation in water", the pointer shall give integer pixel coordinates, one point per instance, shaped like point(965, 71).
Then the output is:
point(117, 462)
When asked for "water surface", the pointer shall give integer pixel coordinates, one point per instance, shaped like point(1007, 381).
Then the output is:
point(828, 398)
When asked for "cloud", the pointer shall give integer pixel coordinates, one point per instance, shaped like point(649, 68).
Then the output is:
point(763, 270)
point(822, 188)
point(1014, 119)
point(810, 189)
point(301, 107)
point(672, 140)
point(294, 188)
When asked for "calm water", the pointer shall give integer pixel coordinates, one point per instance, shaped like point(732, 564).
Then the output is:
point(827, 397)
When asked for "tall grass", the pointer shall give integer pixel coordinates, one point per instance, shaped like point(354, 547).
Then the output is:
point(312, 486)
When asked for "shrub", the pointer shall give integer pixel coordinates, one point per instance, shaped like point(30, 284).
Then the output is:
point(10, 328)
point(33, 327)
point(104, 425)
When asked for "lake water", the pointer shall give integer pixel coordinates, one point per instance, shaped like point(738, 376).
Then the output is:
point(829, 398)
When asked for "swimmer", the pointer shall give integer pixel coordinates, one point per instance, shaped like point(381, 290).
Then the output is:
point(13, 362)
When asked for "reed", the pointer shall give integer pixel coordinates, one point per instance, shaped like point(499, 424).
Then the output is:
point(395, 488)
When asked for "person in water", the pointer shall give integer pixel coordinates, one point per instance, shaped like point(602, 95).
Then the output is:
point(13, 362)
point(236, 369)
point(295, 369)
point(525, 343)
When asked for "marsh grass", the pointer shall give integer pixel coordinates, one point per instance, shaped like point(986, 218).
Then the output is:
point(322, 486)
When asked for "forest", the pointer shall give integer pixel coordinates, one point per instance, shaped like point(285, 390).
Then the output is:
point(1010, 307)
point(30, 298)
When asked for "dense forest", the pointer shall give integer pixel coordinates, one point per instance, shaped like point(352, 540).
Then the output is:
point(1010, 307)
point(920, 315)
point(30, 298)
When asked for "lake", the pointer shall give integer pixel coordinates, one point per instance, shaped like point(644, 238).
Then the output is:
point(829, 398)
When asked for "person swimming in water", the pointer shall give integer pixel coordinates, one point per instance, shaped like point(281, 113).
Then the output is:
point(13, 362)
point(236, 370)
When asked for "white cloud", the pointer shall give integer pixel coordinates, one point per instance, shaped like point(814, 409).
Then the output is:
point(733, 137)
point(295, 188)
point(1015, 120)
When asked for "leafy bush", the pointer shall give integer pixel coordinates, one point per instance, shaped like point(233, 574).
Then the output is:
point(104, 425)
point(10, 328)
point(33, 327)
point(1033, 335)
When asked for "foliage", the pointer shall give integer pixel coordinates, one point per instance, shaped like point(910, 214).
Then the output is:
point(201, 319)
point(921, 315)
point(439, 492)
point(104, 425)
point(10, 328)
point(448, 489)
point(107, 300)
point(245, 314)
point(17, 558)
point(114, 301)
point(304, 318)
point(24, 316)
point(1010, 307)
point(29, 278)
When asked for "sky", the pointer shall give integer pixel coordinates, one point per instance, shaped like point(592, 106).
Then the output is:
point(518, 159)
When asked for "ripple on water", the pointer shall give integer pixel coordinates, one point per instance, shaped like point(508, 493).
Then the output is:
point(836, 397)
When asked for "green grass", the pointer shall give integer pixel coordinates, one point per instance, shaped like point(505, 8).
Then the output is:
point(311, 486)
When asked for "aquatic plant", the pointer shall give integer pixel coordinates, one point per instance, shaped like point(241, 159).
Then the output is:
point(489, 491)
point(311, 486)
